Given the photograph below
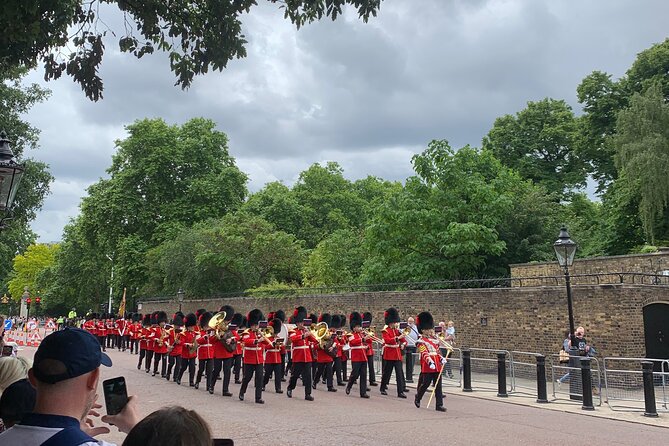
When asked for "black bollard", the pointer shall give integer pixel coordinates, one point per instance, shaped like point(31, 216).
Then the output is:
point(648, 389)
point(466, 370)
point(542, 395)
point(501, 375)
point(586, 381)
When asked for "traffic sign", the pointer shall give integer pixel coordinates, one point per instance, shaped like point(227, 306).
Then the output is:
point(8, 324)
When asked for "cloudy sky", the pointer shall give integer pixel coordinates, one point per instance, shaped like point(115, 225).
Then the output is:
point(368, 96)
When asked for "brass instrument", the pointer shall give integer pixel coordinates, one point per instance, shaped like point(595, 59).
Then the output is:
point(192, 349)
point(218, 324)
point(441, 337)
point(163, 335)
point(369, 332)
point(319, 332)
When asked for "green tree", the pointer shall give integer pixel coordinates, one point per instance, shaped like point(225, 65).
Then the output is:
point(337, 260)
point(642, 152)
point(197, 34)
point(28, 266)
point(277, 204)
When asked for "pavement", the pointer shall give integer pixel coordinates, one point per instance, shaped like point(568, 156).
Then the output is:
point(477, 418)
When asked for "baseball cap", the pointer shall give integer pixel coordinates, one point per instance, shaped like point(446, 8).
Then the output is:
point(67, 354)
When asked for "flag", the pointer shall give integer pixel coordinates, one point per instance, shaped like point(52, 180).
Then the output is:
point(121, 308)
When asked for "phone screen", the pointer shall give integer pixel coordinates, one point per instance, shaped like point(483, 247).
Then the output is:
point(223, 442)
point(262, 324)
point(366, 324)
point(116, 394)
point(403, 325)
point(438, 329)
point(7, 350)
point(306, 322)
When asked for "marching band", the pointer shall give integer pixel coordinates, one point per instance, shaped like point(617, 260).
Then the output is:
point(308, 347)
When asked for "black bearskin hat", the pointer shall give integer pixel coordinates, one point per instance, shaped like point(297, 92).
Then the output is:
point(313, 317)
point(154, 317)
point(299, 314)
point(270, 315)
point(335, 322)
point(136, 317)
point(367, 316)
point(229, 312)
point(325, 317)
point(199, 313)
point(391, 316)
point(161, 316)
point(280, 314)
point(254, 317)
point(237, 319)
point(244, 323)
point(146, 321)
point(276, 325)
point(178, 319)
point(355, 319)
point(424, 321)
point(191, 320)
point(204, 319)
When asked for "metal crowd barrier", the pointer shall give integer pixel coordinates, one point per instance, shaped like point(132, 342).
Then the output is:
point(623, 381)
point(566, 379)
point(484, 367)
point(454, 365)
point(524, 372)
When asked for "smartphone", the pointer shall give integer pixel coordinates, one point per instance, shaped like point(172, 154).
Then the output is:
point(403, 325)
point(262, 324)
point(7, 350)
point(438, 329)
point(223, 442)
point(279, 340)
point(306, 322)
point(116, 394)
point(366, 324)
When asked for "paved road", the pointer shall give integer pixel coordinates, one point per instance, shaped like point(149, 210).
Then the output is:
point(338, 419)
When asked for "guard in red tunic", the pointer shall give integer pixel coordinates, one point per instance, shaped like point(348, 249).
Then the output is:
point(160, 336)
point(254, 345)
point(345, 350)
point(431, 361)
point(135, 333)
point(273, 357)
point(340, 342)
point(175, 346)
point(102, 331)
point(223, 341)
point(281, 315)
point(237, 358)
point(205, 349)
point(325, 356)
point(110, 325)
point(149, 333)
point(188, 350)
point(393, 346)
point(358, 343)
point(90, 326)
point(300, 339)
point(123, 330)
point(143, 341)
point(367, 318)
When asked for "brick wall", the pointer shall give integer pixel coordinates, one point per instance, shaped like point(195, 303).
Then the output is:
point(527, 319)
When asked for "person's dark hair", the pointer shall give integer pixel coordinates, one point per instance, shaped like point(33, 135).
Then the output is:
point(170, 426)
point(17, 401)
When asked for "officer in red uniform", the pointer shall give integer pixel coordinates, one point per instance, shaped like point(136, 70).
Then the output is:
point(325, 358)
point(254, 344)
point(393, 344)
point(367, 318)
point(143, 332)
point(101, 331)
point(221, 353)
point(110, 325)
point(188, 352)
point(175, 346)
point(149, 333)
point(358, 342)
point(135, 333)
point(431, 361)
point(273, 361)
point(205, 349)
point(123, 330)
point(340, 341)
point(301, 339)
point(90, 325)
point(160, 335)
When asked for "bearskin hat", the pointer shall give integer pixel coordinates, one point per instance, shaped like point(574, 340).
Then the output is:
point(178, 319)
point(136, 317)
point(391, 316)
point(254, 317)
point(276, 325)
point(244, 323)
point(237, 319)
point(146, 321)
point(270, 315)
point(424, 321)
point(229, 312)
point(178, 313)
point(367, 316)
point(299, 314)
point(313, 317)
point(161, 316)
point(199, 313)
point(335, 321)
point(204, 319)
point(325, 317)
point(280, 314)
point(355, 319)
point(190, 320)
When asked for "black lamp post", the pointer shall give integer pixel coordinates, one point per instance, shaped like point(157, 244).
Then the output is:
point(565, 250)
point(180, 297)
point(10, 176)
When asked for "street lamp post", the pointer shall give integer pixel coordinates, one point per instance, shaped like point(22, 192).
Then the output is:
point(111, 284)
point(180, 297)
point(10, 176)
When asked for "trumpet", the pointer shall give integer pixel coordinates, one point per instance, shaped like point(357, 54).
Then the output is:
point(369, 332)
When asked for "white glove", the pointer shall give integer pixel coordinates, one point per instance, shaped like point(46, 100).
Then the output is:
point(444, 361)
point(432, 365)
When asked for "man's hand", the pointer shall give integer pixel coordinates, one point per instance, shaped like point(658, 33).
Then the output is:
point(444, 361)
point(127, 418)
point(432, 365)
point(87, 423)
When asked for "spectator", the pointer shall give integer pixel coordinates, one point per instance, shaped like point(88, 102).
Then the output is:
point(579, 342)
point(13, 369)
point(66, 372)
point(170, 426)
point(16, 401)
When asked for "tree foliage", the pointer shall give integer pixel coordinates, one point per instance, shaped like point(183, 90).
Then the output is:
point(28, 267)
point(337, 260)
point(198, 35)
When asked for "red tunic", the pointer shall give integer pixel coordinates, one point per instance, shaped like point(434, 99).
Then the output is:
point(253, 349)
point(220, 352)
point(175, 340)
point(158, 333)
point(428, 349)
point(101, 329)
point(391, 345)
point(240, 346)
point(144, 343)
point(358, 347)
point(122, 327)
point(370, 347)
point(205, 349)
point(187, 340)
point(301, 347)
point(90, 327)
point(323, 356)
point(273, 354)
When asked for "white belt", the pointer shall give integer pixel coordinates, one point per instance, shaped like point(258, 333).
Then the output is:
point(360, 347)
point(205, 345)
point(272, 350)
point(253, 349)
point(433, 354)
point(300, 346)
point(392, 345)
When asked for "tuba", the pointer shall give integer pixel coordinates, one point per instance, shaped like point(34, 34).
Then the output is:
point(218, 324)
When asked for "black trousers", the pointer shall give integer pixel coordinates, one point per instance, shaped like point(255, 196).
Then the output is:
point(314, 367)
point(283, 365)
point(204, 367)
point(173, 361)
point(126, 342)
point(358, 369)
point(338, 370)
point(370, 367)
point(301, 369)
point(344, 368)
point(190, 365)
point(227, 372)
point(273, 369)
point(149, 357)
point(103, 342)
point(388, 367)
point(237, 365)
point(142, 356)
point(215, 371)
point(134, 346)
point(289, 364)
point(424, 381)
point(325, 369)
point(249, 371)
point(160, 357)
point(408, 361)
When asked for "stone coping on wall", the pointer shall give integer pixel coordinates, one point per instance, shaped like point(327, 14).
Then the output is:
point(663, 251)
